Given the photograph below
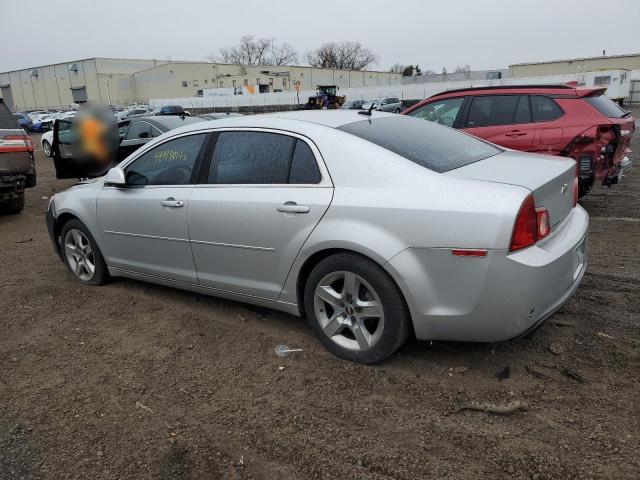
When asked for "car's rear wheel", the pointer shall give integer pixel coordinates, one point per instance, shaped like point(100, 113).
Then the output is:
point(82, 255)
point(355, 308)
point(13, 206)
point(47, 148)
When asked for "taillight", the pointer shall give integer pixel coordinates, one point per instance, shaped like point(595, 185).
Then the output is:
point(525, 230)
point(16, 143)
point(532, 224)
point(542, 221)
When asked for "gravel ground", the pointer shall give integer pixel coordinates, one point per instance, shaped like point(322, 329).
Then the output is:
point(132, 380)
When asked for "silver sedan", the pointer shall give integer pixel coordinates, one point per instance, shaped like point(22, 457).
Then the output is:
point(374, 227)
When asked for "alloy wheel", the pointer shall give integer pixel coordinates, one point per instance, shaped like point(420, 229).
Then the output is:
point(79, 254)
point(47, 149)
point(349, 310)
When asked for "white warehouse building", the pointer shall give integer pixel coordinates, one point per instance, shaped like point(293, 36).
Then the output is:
point(124, 81)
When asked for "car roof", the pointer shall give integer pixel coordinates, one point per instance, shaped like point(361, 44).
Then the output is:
point(300, 121)
point(564, 90)
point(165, 123)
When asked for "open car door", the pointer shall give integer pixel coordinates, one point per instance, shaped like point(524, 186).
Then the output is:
point(63, 161)
point(72, 159)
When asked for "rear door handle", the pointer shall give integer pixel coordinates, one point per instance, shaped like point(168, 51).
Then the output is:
point(172, 203)
point(516, 133)
point(292, 207)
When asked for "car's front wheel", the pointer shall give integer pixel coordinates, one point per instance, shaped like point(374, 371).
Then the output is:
point(355, 308)
point(47, 148)
point(82, 255)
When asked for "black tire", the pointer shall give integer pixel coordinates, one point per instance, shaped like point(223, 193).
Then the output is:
point(396, 317)
point(13, 206)
point(45, 148)
point(584, 186)
point(101, 273)
point(397, 110)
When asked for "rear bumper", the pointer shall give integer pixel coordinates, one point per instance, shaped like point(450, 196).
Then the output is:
point(495, 298)
point(623, 167)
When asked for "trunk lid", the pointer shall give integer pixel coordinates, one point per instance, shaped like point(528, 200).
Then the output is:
point(550, 179)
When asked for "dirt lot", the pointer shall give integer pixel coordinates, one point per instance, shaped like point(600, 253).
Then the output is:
point(132, 380)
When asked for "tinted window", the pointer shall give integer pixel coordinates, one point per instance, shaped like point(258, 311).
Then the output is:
point(171, 163)
point(251, 158)
point(427, 144)
point(139, 130)
point(544, 109)
point(605, 106)
point(523, 112)
point(440, 111)
point(490, 110)
point(304, 168)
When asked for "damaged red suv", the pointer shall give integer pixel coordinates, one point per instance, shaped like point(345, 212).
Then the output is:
point(576, 122)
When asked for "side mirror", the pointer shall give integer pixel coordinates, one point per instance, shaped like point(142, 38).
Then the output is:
point(115, 177)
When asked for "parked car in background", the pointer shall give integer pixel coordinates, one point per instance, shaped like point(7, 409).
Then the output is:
point(456, 239)
point(133, 113)
point(24, 121)
point(576, 122)
point(353, 104)
point(171, 110)
point(384, 104)
point(17, 167)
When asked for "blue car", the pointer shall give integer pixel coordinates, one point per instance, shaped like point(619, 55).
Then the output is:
point(25, 122)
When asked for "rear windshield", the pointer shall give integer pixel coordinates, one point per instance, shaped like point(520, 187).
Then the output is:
point(606, 106)
point(428, 144)
point(7, 121)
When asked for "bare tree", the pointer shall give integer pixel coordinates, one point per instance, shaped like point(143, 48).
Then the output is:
point(257, 51)
point(343, 55)
point(283, 54)
point(397, 68)
point(462, 69)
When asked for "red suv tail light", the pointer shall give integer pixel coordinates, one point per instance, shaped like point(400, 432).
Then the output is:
point(532, 224)
point(16, 143)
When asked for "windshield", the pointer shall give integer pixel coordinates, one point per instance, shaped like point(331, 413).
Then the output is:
point(606, 106)
point(428, 144)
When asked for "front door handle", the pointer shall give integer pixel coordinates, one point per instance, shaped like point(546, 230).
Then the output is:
point(292, 207)
point(516, 133)
point(172, 203)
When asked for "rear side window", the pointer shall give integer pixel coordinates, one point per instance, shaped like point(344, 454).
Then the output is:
point(262, 158)
point(605, 106)
point(139, 130)
point(6, 118)
point(428, 144)
point(544, 109)
point(492, 110)
point(304, 168)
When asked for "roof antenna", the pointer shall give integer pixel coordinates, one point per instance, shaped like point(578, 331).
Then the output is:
point(367, 112)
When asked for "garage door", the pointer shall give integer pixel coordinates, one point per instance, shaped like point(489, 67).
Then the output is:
point(634, 93)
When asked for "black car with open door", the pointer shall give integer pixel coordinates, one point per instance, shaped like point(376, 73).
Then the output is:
point(131, 135)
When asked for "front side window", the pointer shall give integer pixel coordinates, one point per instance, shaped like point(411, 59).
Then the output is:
point(262, 158)
point(170, 163)
point(544, 109)
point(443, 112)
point(492, 110)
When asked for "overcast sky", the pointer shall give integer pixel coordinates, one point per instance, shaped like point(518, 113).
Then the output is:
point(435, 34)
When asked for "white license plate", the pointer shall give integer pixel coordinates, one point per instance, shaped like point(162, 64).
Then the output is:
point(579, 257)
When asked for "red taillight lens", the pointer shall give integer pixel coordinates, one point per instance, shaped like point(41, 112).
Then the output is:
point(542, 219)
point(16, 143)
point(525, 230)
